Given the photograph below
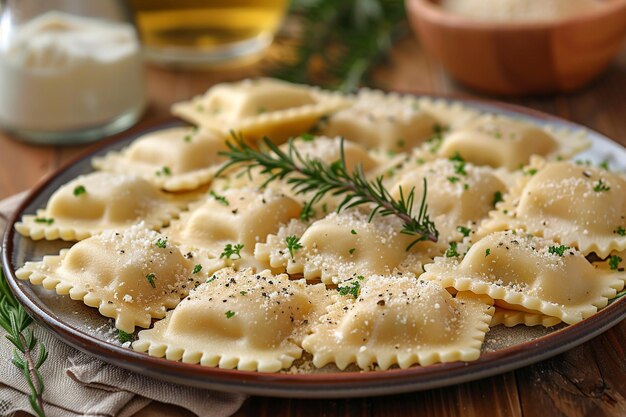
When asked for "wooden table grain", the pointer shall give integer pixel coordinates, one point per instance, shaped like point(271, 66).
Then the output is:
point(587, 381)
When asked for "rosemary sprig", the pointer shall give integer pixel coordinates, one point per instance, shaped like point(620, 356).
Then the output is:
point(313, 175)
point(14, 320)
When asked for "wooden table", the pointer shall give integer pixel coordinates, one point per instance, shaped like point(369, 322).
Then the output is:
point(587, 381)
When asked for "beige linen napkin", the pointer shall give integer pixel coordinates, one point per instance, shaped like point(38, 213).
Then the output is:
point(80, 385)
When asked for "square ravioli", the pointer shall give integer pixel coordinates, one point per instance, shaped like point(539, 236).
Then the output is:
point(261, 107)
point(175, 159)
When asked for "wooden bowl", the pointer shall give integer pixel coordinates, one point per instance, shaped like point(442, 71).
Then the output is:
point(522, 57)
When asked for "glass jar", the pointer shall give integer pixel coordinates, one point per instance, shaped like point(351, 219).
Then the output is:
point(70, 70)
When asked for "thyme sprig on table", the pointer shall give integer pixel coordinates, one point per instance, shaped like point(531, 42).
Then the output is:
point(306, 175)
point(14, 320)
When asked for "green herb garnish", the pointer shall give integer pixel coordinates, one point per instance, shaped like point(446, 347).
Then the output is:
point(459, 163)
point(353, 232)
point(497, 197)
point(604, 165)
point(530, 172)
point(232, 250)
point(620, 231)
point(454, 179)
point(48, 221)
point(196, 269)
point(351, 250)
point(312, 175)
point(558, 250)
point(451, 251)
point(353, 288)
point(293, 244)
point(220, 198)
point(124, 337)
point(614, 261)
point(465, 231)
point(79, 190)
point(600, 186)
point(229, 314)
point(151, 278)
point(487, 252)
point(29, 354)
point(165, 171)
point(161, 243)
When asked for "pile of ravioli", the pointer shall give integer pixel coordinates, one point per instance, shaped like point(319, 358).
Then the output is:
point(222, 271)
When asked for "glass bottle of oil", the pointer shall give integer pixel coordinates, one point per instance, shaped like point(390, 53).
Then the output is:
point(205, 32)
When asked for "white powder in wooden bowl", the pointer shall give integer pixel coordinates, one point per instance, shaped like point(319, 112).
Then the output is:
point(520, 10)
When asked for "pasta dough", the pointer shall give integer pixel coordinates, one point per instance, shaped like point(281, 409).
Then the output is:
point(131, 276)
point(175, 159)
point(531, 272)
point(257, 108)
point(400, 320)
point(238, 320)
point(576, 205)
point(95, 202)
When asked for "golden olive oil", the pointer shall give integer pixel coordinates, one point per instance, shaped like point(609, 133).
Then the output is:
point(205, 24)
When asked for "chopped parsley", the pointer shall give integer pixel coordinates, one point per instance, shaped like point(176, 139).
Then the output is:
point(243, 292)
point(454, 179)
point(351, 250)
point(353, 288)
point(530, 172)
point(293, 244)
point(232, 250)
point(604, 165)
point(497, 197)
point(459, 163)
point(161, 243)
point(307, 137)
point(197, 269)
point(200, 108)
point(353, 231)
point(165, 171)
point(614, 261)
point(150, 278)
point(487, 252)
point(401, 143)
point(600, 186)
point(465, 231)
point(436, 138)
point(229, 314)
point(124, 337)
point(620, 231)
point(48, 221)
point(261, 110)
point(558, 250)
point(451, 251)
point(213, 278)
point(79, 190)
point(219, 198)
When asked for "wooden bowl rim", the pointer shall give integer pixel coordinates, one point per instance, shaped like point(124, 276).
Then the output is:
point(429, 10)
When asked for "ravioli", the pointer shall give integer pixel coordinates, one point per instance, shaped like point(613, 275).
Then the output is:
point(233, 217)
point(343, 245)
point(400, 320)
point(98, 201)
point(500, 141)
point(459, 195)
point(530, 272)
point(576, 205)
point(261, 107)
point(131, 276)
point(244, 320)
point(174, 159)
point(386, 122)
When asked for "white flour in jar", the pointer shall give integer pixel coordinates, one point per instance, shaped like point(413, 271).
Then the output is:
point(61, 72)
point(520, 10)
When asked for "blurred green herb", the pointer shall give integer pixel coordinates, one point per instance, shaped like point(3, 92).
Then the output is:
point(339, 41)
